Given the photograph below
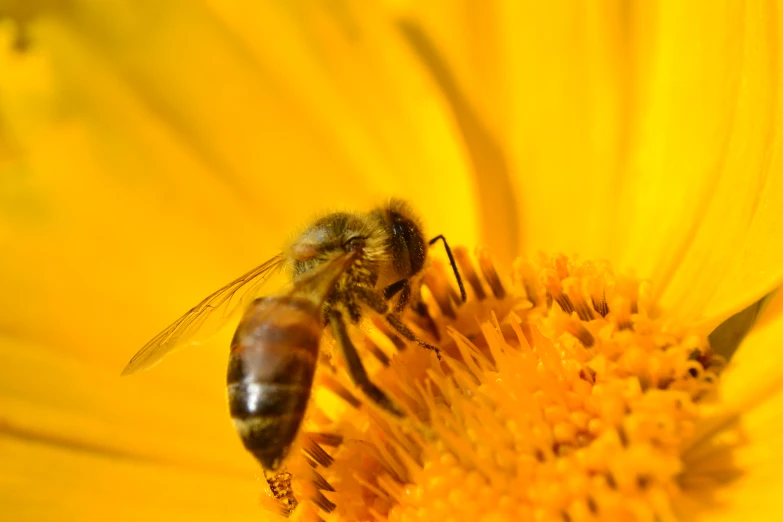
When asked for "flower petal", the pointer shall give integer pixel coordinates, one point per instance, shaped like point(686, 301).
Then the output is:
point(142, 174)
point(671, 167)
point(551, 84)
point(177, 415)
point(108, 230)
point(704, 209)
point(755, 494)
point(349, 71)
point(337, 109)
point(43, 482)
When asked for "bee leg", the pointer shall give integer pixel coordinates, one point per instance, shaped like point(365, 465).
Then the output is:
point(356, 368)
point(420, 308)
point(404, 299)
point(402, 287)
point(376, 301)
point(406, 332)
point(394, 288)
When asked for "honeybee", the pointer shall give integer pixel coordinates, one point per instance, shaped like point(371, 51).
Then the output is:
point(340, 266)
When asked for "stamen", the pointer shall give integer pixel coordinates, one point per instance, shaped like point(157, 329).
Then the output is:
point(622, 310)
point(524, 275)
point(322, 502)
point(439, 287)
point(572, 289)
point(377, 352)
point(316, 452)
point(579, 331)
point(490, 274)
point(553, 285)
point(320, 482)
point(469, 272)
point(338, 389)
point(327, 439)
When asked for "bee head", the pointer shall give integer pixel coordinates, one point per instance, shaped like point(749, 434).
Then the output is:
point(330, 236)
point(405, 237)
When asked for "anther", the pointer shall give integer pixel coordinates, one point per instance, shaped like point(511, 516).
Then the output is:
point(578, 330)
point(552, 283)
point(469, 271)
point(572, 289)
point(327, 439)
point(587, 374)
point(320, 482)
point(595, 281)
point(490, 274)
point(377, 352)
point(338, 389)
point(599, 304)
point(317, 453)
point(621, 307)
point(436, 282)
point(320, 500)
point(525, 275)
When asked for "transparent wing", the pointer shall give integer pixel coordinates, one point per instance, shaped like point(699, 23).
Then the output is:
point(317, 283)
point(207, 317)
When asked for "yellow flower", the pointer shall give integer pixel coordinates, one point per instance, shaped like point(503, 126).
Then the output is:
point(151, 151)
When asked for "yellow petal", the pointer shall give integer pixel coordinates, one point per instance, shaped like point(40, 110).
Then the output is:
point(177, 415)
point(550, 82)
point(109, 231)
point(159, 157)
point(45, 482)
point(348, 71)
point(755, 493)
point(704, 209)
point(259, 125)
point(642, 132)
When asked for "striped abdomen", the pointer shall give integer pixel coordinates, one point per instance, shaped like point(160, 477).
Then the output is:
point(270, 374)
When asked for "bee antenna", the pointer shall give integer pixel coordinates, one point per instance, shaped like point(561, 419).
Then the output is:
point(453, 265)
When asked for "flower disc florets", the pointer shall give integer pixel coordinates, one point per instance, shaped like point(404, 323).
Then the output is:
point(564, 395)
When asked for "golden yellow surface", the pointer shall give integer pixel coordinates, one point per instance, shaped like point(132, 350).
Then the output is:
point(152, 151)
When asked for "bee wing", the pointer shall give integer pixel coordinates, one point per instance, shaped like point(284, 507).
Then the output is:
point(319, 282)
point(207, 317)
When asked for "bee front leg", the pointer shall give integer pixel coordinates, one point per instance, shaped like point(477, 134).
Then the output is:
point(406, 332)
point(356, 368)
point(402, 287)
point(394, 288)
point(375, 301)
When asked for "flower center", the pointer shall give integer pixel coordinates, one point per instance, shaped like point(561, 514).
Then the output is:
point(565, 395)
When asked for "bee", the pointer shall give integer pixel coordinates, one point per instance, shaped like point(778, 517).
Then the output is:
point(341, 266)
